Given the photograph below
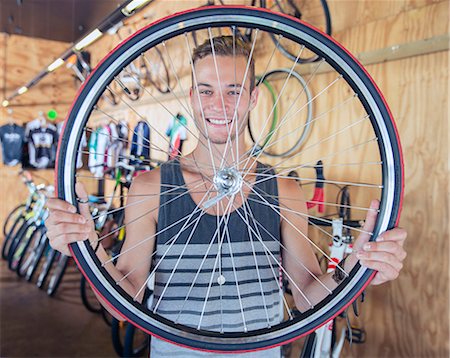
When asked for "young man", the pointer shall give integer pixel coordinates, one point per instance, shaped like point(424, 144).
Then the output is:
point(211, 193)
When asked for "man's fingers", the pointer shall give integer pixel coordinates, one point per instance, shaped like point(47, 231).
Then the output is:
point(369, 225)
point(381, 257)
point(392, 247)
point(397, 234)
point(69, 228)
point(58, 216)
point(386, 272)
point(83, 200)
point(59, 204)
point(371, 216)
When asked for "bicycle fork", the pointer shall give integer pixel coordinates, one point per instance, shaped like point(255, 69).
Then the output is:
point(340, 247)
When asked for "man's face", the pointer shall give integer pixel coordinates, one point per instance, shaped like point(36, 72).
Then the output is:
point(218, 100)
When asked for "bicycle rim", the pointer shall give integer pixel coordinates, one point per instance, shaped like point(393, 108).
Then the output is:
point(369, 114)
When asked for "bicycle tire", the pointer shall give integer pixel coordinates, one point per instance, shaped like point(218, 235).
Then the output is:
point(97, 308)
point(117, 328)
point(30, 251)
point(43, 245)
point(12, 215)
point(368, 95)
point(308, 347)
point(308, 121)
point(46, 268)
point(20, 244)
point(328, 30)
point(6, 246)
point(57, 275)
point(131, 347)
point(123, 339)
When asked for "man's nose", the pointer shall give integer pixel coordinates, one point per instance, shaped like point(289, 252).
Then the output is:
point(218, 102)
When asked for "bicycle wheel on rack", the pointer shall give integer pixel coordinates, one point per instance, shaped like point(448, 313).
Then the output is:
point(280, 80)
point(32, 251)
point(354, 135)
point(12, 217)
point(88, 297)
point(38, 254)
point(20, 244)
point(12, 234)
point(57, 275)
point(313, 12)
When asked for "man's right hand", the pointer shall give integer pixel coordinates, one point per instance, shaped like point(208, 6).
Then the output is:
point(65, 225)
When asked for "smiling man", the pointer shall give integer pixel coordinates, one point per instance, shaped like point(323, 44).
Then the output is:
point(212, 221)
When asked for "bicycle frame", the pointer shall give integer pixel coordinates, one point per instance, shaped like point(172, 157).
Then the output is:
point(341, 246)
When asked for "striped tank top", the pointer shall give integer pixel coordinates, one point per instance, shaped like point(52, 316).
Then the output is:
point(227, 279)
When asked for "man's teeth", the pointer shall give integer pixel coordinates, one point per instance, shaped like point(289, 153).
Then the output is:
point(219, 121)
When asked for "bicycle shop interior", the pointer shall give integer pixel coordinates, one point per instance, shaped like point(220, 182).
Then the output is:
point(48, 50)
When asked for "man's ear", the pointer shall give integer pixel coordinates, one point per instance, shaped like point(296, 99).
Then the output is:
point(254, 98)
point(191, 92)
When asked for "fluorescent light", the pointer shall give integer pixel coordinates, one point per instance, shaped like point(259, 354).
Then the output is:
point(86, 41)
point(5, 103)
point(55, 65)
point(135, 4)
point(22, 90)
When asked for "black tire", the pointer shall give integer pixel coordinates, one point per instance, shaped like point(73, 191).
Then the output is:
point(20, 244)
point(50, 258)
point(57, 275)
point(127, 340)
point(11, 218)
point(32, 251)
point(88, 297)
point(370, 99)
point(136, 342)
point(37, 257)
point(297, 13)
point(7, 242)
point(308, 347)
point(117, 335)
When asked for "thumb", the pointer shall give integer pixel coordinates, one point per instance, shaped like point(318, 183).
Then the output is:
point(82, 198)
point(369, 225)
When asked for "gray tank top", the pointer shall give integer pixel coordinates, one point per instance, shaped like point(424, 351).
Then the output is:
point(200, 289)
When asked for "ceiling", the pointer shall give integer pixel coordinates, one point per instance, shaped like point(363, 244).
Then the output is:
point(60, 20)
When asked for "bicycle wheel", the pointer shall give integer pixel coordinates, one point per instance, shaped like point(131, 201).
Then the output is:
point(50, 257)
point(354, 134)
point(88, 298)
point(315, 13)
point(127, 340)
point(286, 105)
point(20, 244)
point(37, 257)
point(31, 250)
point(11, 218)
point(57, 275)
point(9, 239)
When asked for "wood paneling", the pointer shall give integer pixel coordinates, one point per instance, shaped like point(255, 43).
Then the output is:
point(21, 59)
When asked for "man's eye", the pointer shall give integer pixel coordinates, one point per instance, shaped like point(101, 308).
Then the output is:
point(234, 93)
point(206, 92)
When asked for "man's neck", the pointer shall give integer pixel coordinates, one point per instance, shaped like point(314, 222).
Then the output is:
point(221, 155)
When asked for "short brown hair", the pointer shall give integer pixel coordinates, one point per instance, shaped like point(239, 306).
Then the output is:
point(226, 46)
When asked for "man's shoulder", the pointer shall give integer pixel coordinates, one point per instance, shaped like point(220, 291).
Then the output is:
point(148, 182)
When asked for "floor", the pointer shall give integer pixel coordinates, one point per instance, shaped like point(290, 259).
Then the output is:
point(33, 324)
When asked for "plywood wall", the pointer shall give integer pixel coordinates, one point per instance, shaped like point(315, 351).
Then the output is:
point(405, 318)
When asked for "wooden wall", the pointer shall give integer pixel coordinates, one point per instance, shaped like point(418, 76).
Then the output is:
point(21, 59)
point(405, 318)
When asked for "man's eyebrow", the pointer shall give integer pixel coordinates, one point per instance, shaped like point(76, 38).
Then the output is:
point(203, 84)
point(236, 85)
